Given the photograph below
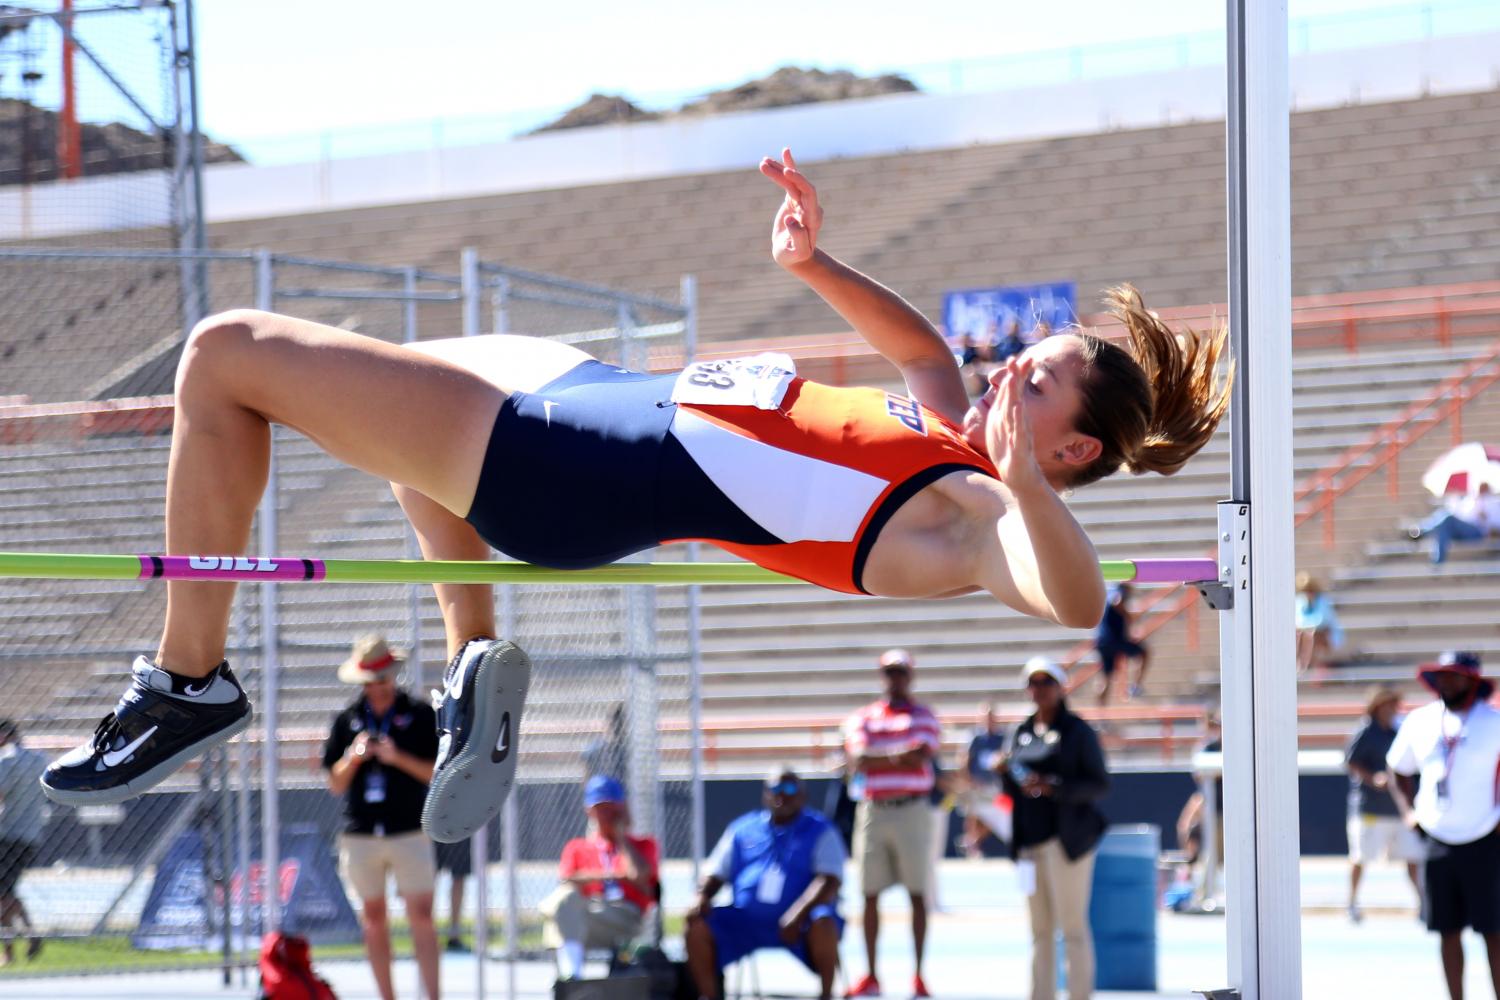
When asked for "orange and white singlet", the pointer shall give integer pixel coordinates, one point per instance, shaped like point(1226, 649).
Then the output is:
point(793, 475)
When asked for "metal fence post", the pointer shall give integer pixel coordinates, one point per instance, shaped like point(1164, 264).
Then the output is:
point(510, 834)
point(625, 327)
point(469, 285)
point(245, 777)
point(500, 306)
point(413, 549)
point(699, 843)
point(270, 653)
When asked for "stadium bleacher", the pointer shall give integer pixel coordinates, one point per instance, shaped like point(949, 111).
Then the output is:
point(1144, 205)
point(825, 642)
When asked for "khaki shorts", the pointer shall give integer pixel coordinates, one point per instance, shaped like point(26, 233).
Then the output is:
point(364, 860)
point(1372, 838)
point(891, 845)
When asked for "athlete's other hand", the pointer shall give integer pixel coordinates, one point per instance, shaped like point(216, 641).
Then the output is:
point(1007, 433)
point(794, 235)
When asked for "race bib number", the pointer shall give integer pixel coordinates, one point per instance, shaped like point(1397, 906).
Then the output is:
point(768, 890)
point(760, 381)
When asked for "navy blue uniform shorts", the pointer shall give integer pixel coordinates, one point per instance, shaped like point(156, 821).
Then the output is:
point(585, 471)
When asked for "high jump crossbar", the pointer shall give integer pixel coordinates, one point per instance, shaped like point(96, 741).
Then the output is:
point(261, 569)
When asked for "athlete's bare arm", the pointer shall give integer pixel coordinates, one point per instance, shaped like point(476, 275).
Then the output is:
point(890, 324)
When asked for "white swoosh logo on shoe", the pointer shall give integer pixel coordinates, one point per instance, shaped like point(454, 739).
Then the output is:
point(112, 758)
point(502, 743)
point(193, 692)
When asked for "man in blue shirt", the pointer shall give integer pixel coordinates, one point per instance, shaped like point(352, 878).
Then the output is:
point(784, 864)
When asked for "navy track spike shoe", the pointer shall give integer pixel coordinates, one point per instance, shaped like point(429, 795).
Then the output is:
point(479, 728)
point(160, 723)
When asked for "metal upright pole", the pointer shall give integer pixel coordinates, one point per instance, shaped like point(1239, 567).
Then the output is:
point(625, 327)
point(198, 225)
point(500, 306)
point(413, 549)
point(469, 284)
point(242, 807)
point(699, 843)
point(510, 833)
point(1255, 525)
point(270, 640)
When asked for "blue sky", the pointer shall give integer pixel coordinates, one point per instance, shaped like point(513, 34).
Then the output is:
point(376, 74)
point(272, 67)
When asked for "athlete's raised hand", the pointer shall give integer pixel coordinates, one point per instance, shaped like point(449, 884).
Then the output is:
point(1007, 433)
point(794, 235)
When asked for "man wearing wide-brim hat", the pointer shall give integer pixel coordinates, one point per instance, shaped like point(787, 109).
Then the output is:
point(1453, 744)
point(379, 757)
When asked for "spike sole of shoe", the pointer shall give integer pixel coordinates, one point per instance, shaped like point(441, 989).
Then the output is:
point(151, 778)
point(472, 785)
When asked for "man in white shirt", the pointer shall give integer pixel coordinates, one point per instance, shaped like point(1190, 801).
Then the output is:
point(1453, 746)
point(1464, 517)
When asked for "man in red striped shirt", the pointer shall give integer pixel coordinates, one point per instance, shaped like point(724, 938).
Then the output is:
point(890, 745)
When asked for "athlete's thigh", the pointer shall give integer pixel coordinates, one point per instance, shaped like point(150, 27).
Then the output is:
point(403, 416)
point(509, 362)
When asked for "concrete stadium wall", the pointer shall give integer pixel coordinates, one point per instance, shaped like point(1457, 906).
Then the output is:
point(871, 127)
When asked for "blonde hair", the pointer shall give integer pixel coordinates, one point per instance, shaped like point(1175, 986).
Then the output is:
point(1153, 403)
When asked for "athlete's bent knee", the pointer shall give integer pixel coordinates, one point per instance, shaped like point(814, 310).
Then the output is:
point(212, 339)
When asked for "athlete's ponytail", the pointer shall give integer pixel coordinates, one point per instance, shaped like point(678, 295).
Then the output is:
point(1153, 403)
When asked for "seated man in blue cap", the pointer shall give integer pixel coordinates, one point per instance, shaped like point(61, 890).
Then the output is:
point(784, 864)
point(609, 880)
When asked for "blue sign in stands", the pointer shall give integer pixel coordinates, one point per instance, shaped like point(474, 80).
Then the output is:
point(983, 313)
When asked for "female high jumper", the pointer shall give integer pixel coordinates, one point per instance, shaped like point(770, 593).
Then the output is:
point(534, 448)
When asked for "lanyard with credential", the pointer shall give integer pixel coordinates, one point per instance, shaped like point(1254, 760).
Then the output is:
point(378, 728)
point(1450, 750)
point(374, 778)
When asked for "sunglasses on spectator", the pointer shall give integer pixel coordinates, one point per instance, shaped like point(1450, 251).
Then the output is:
point(785, 789)
point(895, 668)
point(1041, 680)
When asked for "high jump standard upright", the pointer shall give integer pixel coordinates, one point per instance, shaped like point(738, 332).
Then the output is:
point(1256, 554)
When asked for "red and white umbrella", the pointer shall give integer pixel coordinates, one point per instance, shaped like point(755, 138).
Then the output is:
point(1462, 469)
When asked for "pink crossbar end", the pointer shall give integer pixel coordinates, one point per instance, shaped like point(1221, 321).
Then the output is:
point(1175, 570)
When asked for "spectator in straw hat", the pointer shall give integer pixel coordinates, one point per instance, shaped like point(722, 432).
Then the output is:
point(379, 757)
point(1453, 744)
point(1318, 630)
point(1375, 827)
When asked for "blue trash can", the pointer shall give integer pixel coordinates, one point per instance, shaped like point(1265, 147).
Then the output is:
point(1122, 910)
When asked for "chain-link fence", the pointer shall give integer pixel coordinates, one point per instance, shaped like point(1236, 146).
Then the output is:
point(176, 877)
point(100, 96)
